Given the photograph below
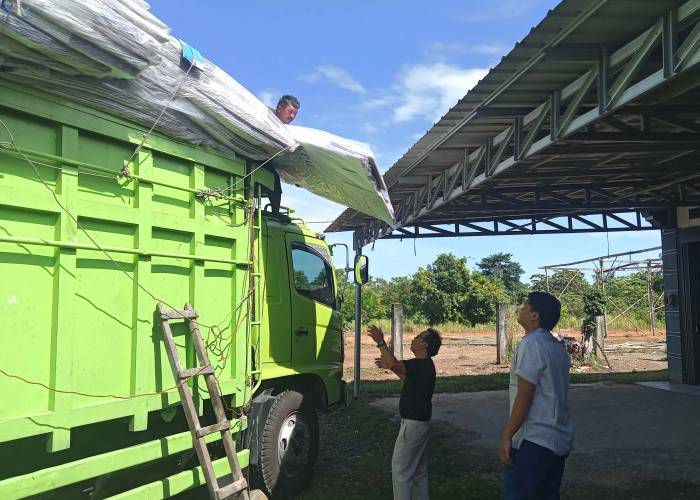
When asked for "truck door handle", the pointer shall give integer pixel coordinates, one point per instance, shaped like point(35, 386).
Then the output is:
point(301, 331)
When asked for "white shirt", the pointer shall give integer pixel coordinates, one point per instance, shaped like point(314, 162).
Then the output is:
point(540, 359)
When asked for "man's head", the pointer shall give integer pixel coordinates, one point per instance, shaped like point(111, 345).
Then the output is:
point(540, 310)
point(287, 108)
point(427, 342)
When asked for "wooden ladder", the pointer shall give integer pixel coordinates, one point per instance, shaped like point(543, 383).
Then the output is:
point(239, 486)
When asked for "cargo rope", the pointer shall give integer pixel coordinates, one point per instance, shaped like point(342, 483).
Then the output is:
point(162, 112)
point(13, 145)
point(31, 382)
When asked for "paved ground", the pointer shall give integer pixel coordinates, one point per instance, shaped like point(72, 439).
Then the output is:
point(624, 435)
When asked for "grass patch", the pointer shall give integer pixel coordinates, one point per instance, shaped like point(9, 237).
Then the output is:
point(456, 383)
point(357, 442)
point(499, 381)
point(620, 378)
point(355, 459)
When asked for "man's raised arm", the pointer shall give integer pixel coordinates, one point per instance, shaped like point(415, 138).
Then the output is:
point(387, 359)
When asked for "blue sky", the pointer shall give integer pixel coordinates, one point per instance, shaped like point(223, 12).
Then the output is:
point(381, 72)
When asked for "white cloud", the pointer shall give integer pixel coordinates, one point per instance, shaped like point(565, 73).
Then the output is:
point(335, 75)
point(495, 49)
point(488, 11)
point(441, 50)
point(268, 98)
point(430, 90)
point(369, 128)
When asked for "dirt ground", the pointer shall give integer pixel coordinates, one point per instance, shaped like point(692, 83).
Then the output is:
point(474, 353)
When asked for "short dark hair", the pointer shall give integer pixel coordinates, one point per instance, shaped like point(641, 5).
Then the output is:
point(548, 306)
point(434, 341)
point(288, 99)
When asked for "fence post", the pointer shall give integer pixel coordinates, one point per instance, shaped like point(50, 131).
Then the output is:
point(397, 330)
point(599, 334)
point(501, 333)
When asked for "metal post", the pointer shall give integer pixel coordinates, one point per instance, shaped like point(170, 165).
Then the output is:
point(501, 333)
point(650, 300)
point(546, 278)
point(602, 289)
point(358, 333)
point(599, 334)
point(397, 330)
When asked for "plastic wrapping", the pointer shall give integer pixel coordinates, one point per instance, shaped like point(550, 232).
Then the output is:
point(123, 28)
point(337, 169)
point(115, 56)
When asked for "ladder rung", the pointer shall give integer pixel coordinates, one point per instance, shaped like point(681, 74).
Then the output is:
point(191, 372)
point(221, 426)
point(233, 488)
point(192, 314)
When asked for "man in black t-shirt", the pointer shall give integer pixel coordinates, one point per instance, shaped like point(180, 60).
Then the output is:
point(409, 463)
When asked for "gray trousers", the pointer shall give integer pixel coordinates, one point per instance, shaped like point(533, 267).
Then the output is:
point(409, 464)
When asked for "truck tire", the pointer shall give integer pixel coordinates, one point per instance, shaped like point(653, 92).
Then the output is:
point(289, 445)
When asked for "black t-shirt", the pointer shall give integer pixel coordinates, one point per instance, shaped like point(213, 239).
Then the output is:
point(415, 403)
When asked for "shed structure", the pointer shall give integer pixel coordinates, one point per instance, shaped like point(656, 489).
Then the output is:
point(590, 124)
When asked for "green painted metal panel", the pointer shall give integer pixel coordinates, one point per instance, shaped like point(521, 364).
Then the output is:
point(26, 295)
point(85, 255)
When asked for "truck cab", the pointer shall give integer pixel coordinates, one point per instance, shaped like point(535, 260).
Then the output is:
point(301, 357)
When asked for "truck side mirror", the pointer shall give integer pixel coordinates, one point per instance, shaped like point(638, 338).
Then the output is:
point(361, 269)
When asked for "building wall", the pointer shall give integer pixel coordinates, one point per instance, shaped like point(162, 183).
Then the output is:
point(669, 255)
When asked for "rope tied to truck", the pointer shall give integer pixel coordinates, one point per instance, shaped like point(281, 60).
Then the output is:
point(217, 345)
point(12, 145)
point(53, 389)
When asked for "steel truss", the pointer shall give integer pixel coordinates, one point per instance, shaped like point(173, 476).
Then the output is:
point(607, 266)
point(595, 147)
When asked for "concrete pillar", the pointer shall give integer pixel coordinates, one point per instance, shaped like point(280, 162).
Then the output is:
point(397, 330)
point(599, 334)
point(502, 333)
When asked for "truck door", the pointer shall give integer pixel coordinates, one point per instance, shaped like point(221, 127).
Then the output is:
point(316, 325)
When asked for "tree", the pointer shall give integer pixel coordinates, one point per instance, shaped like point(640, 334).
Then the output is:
point(568, 286)
point(629, 294)
point(594, 302)
point(445, 291)
point(373, 305)
point(500, 265)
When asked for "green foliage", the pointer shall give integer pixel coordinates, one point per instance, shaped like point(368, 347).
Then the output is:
point(500, 265)
point(568, 286)
point(594, 302)
point(443, 292)
point(628, 293)
point(374, 306)
point(446, 291)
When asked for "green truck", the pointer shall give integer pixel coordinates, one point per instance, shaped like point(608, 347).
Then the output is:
point(99, 223)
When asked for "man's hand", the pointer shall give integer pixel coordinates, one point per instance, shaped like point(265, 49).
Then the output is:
point(381, 363)
point(376, 333)
point(506, 445)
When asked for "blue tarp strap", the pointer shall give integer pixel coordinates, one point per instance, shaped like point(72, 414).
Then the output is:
point(192, 55)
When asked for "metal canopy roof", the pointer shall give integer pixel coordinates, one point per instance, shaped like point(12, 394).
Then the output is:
point(591, 123)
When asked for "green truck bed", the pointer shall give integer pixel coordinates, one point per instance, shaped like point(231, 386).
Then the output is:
point(87, 249)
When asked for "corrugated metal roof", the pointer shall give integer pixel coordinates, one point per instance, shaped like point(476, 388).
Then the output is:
point(563, 60)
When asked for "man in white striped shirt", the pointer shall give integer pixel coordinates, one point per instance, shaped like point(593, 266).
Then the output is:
point(539, 433)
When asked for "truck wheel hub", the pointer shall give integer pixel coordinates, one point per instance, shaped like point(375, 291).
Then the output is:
point(294, 444)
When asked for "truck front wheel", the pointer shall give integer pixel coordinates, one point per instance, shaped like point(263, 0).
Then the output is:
point(289, 445)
